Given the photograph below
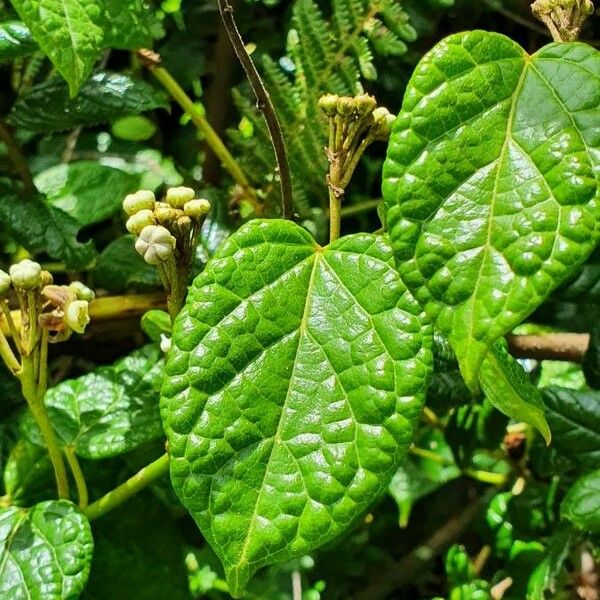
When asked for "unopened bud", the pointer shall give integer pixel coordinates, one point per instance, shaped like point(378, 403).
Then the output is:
point(139, 220)
point(26, 274)
point(383, 120)
point(328, 104)
point(82, 291)
point(155, 244)
point(165, 343)
point(197, 209)
point(345, 106)
point(166, 215)
point(5, 282)
point(365, 104)
point(46, 279)
point(77, 315)
point(142, 200)
point(178, 196)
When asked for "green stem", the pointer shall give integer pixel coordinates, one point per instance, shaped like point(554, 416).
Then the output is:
point(132, 486)
point(7, 355)
point(82, 492)
point(335, 216)
point(12, 328)
point(210, 135)
point(35, 399)
point(265, 105)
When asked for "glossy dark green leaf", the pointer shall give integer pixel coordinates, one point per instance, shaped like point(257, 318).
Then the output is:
point(45, 552)
point(106, 96)
point(581, 505)
point(121, 268)
point(574, 419)
point(68, 33)
point(110, 411)
point(86, 190)
point(42, 228)
point(508, 388)
point(491, 182)
point(16, 41)
point(296, 377)
point(28, 475)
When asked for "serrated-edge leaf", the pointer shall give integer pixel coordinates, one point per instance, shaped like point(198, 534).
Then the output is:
point(295, 378)
point(67, 32)
point(508, 388)
point(491, 182)
point(45, 552)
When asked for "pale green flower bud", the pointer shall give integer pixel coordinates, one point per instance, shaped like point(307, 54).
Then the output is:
point(5, 282)
point(26, 274)
point(82, 291)
point(365, 104)
point(77, 315)
point(383, 120)
point(46, 279)
point(197, 209)
point(155, 244)
point(139, 220)
point(328, 104)
point(178, 196)
point(142, 200)
point(346, 106)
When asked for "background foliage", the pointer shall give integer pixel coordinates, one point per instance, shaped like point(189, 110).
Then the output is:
point(83, 123)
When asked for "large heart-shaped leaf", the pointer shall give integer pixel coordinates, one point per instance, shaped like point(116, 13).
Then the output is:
point(295, 379)
point(491, 182)
point(45, 552)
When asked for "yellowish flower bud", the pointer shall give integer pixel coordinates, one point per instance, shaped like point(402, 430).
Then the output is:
point(142, 200)
point(77, 315)
point(197, 209)
point(178, 196)
point(139, 220)
point(26, 274)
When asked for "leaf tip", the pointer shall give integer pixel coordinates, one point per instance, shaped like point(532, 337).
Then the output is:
point(237, 577)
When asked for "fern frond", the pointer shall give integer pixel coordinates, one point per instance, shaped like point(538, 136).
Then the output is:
point(323, 56)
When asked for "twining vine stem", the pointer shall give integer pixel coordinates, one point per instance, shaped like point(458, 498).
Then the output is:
point(265, 105)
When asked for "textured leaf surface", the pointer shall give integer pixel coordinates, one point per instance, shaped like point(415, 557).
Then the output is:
point(15, 41)
point(43, 228)
point(491, 182)
point(110, 411)
point(68, 33)
point(45, 552)
point(292, 389)
point(581, 505)
point(508, 388)
point(106, 96)
point(87, 191)
point(574, 419)
point(126, 23)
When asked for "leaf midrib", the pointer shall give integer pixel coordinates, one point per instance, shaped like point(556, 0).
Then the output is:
point(302, 328)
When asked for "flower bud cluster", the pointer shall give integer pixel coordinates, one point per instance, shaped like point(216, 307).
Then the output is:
point(165, 230)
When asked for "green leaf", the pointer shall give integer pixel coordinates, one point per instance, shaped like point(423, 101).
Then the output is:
point(581, 505)
point(108, 412)
point(87, 191)
point(126, 23)
point(121, 268)
point(491, 182)
point(156, 323)
point(591, 359)
point(105, 97)
point(45, 552)
point(296, 377)
point(43, 228)
point(67, 32)
point(28, 475)
point(508, 388)
point(574, 419)
point(16, 41)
